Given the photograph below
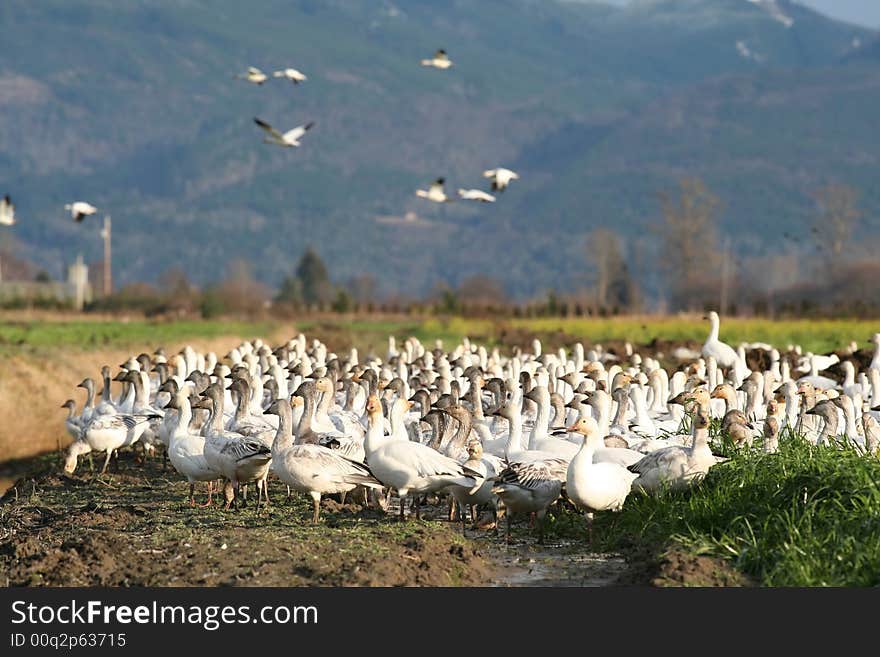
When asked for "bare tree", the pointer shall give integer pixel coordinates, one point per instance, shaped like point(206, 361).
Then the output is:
point(481, 290)
point(835, 219)
point(689, 252)
point(240, 291)
point(613, 282)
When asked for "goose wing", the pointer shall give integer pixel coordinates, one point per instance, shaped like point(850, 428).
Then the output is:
point(268, 128)
point(341, 469)
point(297, 132)
point(662, 458)
point(244, 449)
point(533, 475)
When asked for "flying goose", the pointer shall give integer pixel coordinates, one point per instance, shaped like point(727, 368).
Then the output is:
point(476, 195)
point(254, 75)
point(435, 192)
point(289, 138)
point(501, 178)
point(440, 60)
point(80, 209)
point(7, 211)
point(291, 74)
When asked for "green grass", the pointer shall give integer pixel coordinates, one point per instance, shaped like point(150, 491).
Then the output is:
point(95, 334)
point(807, 516)
point(820, 336)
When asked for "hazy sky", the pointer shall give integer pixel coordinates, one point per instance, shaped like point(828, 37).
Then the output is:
point(864, 12)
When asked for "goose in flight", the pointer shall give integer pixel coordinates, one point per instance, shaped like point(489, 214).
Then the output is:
point(7, 211)
point(291, 74)
point(435, 192)
point(289, 138)
point(254, 75)
point(80, 209)
point(476, 195)
point(440, 60)
point(501, 178)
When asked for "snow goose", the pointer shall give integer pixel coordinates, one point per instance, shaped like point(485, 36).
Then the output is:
point(487, 468)
point(79, 210)
point(254, 75)
point(107, 433)
point(501, 178)
point(814, 378)
point(72, 421)
point(595, 486)
point(475, 195)
point(291, 74)
point(674, 466)
point(7, 211)
point(827, 410)
point(240, 459)
point(287, 139)
point(723, 353)
point(435, 192)
point(410, 467)
point(186, 450)
point(439, 60)
point(530, 487)
point(311, 468)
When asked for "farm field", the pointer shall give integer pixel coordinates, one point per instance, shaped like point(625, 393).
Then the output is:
point(803, 517)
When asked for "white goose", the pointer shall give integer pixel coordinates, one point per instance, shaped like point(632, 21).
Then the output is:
point(253, 75)
point(435, 192)
point(723, 353)
point(80, 210)
point(72, 421)
point(291, 74)
point(475, 195)
point(107, 433)
point(410, 467)
point(311, 468)
point(287, 139)
point(7, 211)
point(186, 450)
point(595, 486)
point(677, 467)
point(501, 178)
point(530, 487)
point(238, 458)
point(439, 60)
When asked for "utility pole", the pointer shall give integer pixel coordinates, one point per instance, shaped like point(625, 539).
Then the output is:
point(79, 280)
point(108, 268)
point(725, 256)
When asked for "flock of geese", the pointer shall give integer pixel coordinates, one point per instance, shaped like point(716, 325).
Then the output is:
point(499, 177)
point(485, 430)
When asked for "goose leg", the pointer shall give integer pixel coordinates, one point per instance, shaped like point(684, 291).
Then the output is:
point(210, 492)
point(316, 501)
point(228, 494)
point(107, 461)
point(416, 502)
point(402, 507)
point(192, 494)
point(342, 498)
point(507, 536)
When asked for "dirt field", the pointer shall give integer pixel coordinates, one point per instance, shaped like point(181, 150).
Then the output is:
point(134, 527)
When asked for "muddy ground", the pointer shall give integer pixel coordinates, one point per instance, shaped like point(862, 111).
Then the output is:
point(134, 527)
